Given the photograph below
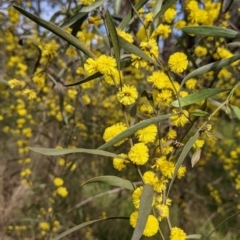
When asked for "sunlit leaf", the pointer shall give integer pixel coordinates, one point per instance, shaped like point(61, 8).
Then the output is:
point(144, 211)
point(74, 229)
point(199, 113)
point(194, 236)
point(131, 14)
point(114, 37)
point(58, 31)
point(131, 130)
point(116, 6)
point(73, 19)
point(195, 157)
point(93, 6)
point(234, 44)
point(211, 31)
point(157, 7)
point(4, 82)
point(113, 181)
point(236, 111)
point(182, 157)
point(57, 152)
point(211, 67)
point(197, 97)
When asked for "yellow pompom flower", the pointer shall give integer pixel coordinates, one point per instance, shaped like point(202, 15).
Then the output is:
point(151, 227)
point(172, 134)
point(29, 94)
point(113, 131)
point(138, 154)
point(44, 226)
point(191, 83)
point(58, 182)
point(178, 62)
point(162, 210)
point(181, 172)
point(128, 37)
point(200, 51)
point(62, 191)
point(90, 66)
point(147, 134)
point(106, 64)
point(180, 119)
point(169, 15)
point(113, 78)
point(162, 30)
point(119, 163)
point(87, 2)
point(150, 48)
point(177, 234)
point(127, 95)
point(136, 196)
point(164, 97)
point(198, 144)
point(159, 80)
point(14, 83)
point(150, 178)
point(165, 167)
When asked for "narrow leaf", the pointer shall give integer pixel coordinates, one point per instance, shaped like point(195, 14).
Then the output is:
point(128, 132)
point(131, 14)
point(182, 157)
point(116, 6)
point(144, 211)
point(234, 44)
point(194, 236)
point(211, 31)
point(82, 13)
point(112, 180)
point(74, 229)
point(129, 47)
point(199, 113)
point(157, 7)
point(114, 37)
point(4, 82)
point(164, 8)
point(87, 79)
point(93, 6)
point(196, 157)
point(58, 31)
point(57, 152)
point(197, 97)
point(210, 67)
point(236, 111)
point(73, 19)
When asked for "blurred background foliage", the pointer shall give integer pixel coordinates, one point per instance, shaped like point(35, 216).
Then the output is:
point(71, 117)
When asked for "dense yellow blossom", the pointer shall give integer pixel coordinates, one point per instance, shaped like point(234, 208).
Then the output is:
point(113, 131)
point(151, 227)
point(58, 181)
point(178, 62)
point(177, 234)
point(127, 95)
point(147, 134)
point(138, 154)
point(120, 163)
point(62, 191)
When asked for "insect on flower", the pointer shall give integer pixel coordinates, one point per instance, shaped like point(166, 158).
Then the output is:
point(174, 143)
